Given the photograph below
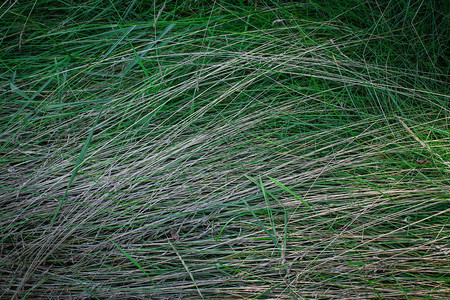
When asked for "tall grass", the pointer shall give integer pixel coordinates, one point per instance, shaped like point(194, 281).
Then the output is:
point(184, 149)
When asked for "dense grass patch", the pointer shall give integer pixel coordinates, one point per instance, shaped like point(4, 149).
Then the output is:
point(234, 149)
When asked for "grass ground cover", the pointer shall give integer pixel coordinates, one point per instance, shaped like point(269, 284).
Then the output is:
point(226, 149)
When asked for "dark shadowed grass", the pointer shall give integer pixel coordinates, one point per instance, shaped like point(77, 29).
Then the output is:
point(226, 150)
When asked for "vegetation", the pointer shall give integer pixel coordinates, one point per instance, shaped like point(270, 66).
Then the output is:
point(226, 149)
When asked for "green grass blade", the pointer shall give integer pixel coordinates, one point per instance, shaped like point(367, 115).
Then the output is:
point(135, 262)
point(147, 49)
point(118, 42)
point(282, 186)
point(78, 164)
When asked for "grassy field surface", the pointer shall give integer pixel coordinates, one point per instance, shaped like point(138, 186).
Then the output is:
point(224, 149)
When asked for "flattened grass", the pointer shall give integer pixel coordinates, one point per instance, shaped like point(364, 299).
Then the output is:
point(186, 150)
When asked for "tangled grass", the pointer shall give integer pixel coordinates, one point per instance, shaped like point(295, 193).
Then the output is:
point(194, 150)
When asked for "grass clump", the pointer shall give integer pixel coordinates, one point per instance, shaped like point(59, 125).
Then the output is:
point(227, 150)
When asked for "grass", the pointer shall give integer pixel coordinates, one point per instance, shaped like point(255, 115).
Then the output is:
point(188, 149)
